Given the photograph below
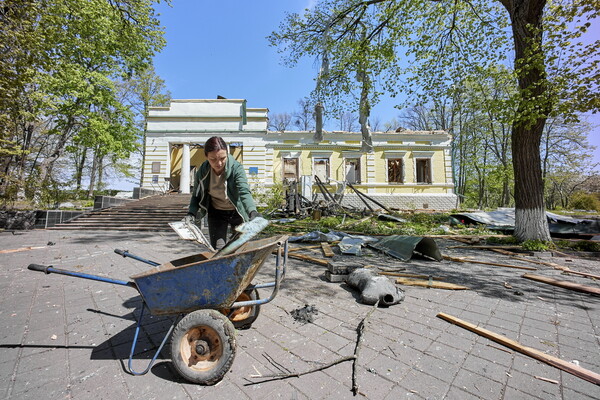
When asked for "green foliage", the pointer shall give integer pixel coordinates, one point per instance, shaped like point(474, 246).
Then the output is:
point(579, 245)
point(59, 62)
point(538, 245)
point(271, 199)
point(452, 50)
point(584, 201)
point(506, 240)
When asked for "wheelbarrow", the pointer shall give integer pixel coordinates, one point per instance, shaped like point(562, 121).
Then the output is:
point(211, 295)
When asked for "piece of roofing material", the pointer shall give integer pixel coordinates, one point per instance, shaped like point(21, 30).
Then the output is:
point(504, 219)
point(403, 247)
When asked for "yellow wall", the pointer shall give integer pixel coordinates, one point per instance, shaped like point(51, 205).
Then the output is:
point(337, 170)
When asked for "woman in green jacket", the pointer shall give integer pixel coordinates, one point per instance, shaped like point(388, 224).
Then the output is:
point(221, 190)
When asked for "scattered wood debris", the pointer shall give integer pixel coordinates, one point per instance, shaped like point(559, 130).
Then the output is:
point(430, 284)
point(327, 249)
point(563, 284)
point(541, 378)
point(21, 249)
point(407, 275)
point(571, 368)
point(308, 258)
point(463, 260)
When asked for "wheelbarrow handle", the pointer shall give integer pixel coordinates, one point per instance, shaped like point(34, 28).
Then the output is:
point(51, 270)
point(39, 267)
point(126, 253)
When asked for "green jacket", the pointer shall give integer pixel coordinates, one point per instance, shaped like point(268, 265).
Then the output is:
point(236, 187)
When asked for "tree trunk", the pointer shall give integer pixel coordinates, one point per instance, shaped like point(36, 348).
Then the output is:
point(530, 214)
point(93, 176)
point(365, 112)
point(79, 164)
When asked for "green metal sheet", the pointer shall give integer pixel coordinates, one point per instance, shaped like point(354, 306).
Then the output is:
point(403, 247)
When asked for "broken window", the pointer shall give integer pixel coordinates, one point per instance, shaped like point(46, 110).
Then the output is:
point(156, 167)
point(290, 169)
point(395, 170)
point(321, 168)
point(423, 167)
point(353, 170)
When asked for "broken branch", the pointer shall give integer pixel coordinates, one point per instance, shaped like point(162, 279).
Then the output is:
point(359, 340)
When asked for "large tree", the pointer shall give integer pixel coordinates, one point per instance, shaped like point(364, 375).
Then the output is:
point(67, 56)
point(423, 48)
point(144, 90)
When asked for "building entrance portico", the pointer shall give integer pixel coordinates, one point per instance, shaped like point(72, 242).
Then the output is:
point(185, 157)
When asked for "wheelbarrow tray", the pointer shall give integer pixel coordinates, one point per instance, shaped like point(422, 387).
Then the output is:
point(195, 282)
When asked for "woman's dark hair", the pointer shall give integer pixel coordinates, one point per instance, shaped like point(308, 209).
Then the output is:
point(215, 143)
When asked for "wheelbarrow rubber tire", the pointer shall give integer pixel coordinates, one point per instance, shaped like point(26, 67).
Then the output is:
point(203, 346)
point(243, 317)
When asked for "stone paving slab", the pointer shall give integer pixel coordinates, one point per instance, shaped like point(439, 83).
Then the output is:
point(69, 338)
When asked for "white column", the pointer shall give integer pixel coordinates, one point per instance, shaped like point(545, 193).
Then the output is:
point(184, 182)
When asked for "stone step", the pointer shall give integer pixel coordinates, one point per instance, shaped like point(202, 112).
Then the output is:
point(150, 213)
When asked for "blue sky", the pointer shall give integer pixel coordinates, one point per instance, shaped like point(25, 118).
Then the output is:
point(219, 47)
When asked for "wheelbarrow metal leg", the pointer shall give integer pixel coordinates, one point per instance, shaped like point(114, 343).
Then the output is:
point(135, 338)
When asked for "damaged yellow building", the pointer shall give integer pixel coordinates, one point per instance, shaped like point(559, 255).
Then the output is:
point(407, 170)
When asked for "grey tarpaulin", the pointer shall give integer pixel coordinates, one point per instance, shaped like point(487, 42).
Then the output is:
point(403, 247)
point(504, 219)
point(349, 244)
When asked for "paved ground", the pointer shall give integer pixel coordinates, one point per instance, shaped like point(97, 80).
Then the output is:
point(69, 338)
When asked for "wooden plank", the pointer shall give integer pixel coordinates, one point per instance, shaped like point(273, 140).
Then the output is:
point(566, 366)
point(300, 248)
point(489, 247)
point(550, 264)
point(563, 284)
point(505, 252)
point(327, 249)
point(21, 249)
point(564, 269)
point(570, 271)
point(407, 275)
point(308, 258)
point(430, 284)
point(460, 259)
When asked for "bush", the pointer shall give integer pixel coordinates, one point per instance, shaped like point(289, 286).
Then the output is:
point(580, 245)
point(508, 241)
point(584, 201)
point(538, 245)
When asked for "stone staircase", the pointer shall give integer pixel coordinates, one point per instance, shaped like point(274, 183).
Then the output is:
point(151, 213)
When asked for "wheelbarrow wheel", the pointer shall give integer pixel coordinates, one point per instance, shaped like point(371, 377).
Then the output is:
point(243, 317)
point(203, 346)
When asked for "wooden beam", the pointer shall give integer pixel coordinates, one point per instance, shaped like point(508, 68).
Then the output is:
point(407, 275)
point(564, 284)
point(570, 271)
point(21, 249)
point(571, 368)
point(327, 249)
point(487, 247)
point(308, 258)
point(430, 284)
point(460, 259)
